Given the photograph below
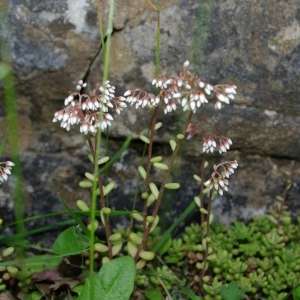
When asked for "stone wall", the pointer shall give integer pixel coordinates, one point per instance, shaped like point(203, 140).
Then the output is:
point(252, 44)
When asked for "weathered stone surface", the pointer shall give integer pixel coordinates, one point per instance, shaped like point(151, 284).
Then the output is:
point(253, 44)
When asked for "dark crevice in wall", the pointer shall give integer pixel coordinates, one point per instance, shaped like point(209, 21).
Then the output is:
point(93, 60)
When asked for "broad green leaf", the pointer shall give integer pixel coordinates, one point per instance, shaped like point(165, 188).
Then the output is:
point(190, 293)
point(231, 292)
point(296, 292)
point(153, 294)
point(70, 241)
point(115, 281)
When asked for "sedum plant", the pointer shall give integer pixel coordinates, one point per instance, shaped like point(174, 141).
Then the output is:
point(93, 113)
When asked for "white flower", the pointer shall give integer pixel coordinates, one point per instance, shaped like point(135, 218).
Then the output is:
point(186, 64)
point(5, 170)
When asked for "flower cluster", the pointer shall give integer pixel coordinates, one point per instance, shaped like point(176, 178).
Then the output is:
point(220, 175)
point(210, 142)
point(5, 170)
point(185, 90)
point(90, 112)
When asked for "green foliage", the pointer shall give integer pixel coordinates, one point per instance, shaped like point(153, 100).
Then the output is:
point(115, 280)
point(231, 292)
point(241, 261)
point(69, 242)
point(296, 292)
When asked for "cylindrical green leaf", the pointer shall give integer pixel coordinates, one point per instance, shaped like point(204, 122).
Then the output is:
point(103, 160)
point(147, 255)
point(131, 248)
point(106, 210)
point(197, 178)
point(96, 224)
point(203, 211)
point(140, 264)
point(107, 189)
point(137, 216)
point(144, 139)
point(150, 219)
point(197, 201)
point(199, 266)
point(85, 184)
point(145, 195)
point(156, 159)
point(173, 144)
point(155, 223)
point(160, 166)
point(158, 125)
point(82, 205)
point(116, 248)
point(13, 271)
point(115, 237)
point(8, 251)
point(154, 189)
point(91, 158)
point(100, 247)
point(135, 238)
point(89, 176)
point(172, 185)
point(142, 172)
point(180, 136)
point(105, 260)
point(150, 199)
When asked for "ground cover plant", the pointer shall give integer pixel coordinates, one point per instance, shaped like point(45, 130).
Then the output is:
point(140, 261)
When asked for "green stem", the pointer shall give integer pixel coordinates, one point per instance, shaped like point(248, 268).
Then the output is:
point(99, 184)
point(150, 148)
point(162, 187)
point(13, 133)
point(202, 188)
